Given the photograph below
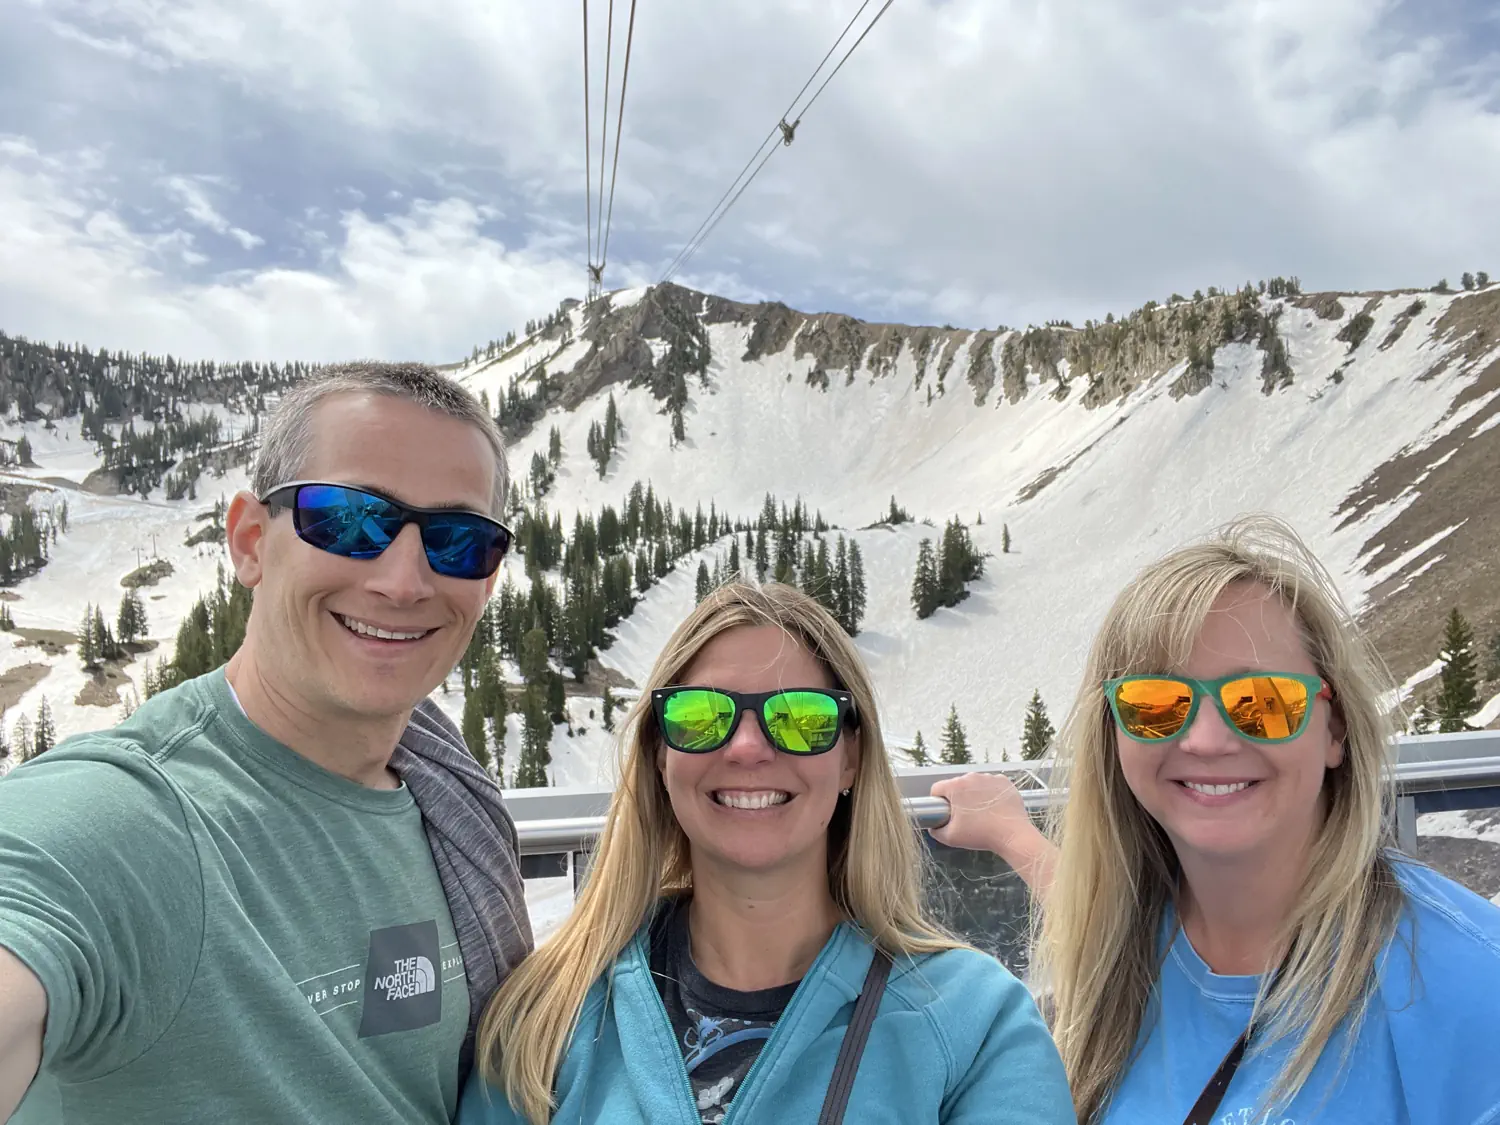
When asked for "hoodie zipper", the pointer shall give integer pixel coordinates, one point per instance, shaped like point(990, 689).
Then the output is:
point(687, 1083)
point(776, 1033)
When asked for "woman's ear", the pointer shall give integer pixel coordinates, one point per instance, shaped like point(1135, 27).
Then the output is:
point(1338, 733)
point(852, 749)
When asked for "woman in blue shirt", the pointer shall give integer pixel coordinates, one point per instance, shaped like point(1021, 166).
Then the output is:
point(1226, 935)
point(755, 879)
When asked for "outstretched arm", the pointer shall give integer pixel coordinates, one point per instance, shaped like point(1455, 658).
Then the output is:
point(988, 814)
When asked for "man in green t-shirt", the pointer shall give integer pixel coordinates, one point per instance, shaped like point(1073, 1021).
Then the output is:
point(235, 905)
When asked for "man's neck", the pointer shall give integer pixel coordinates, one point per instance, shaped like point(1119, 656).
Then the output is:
point(760, 931)
point(1234, 912)
point(353, 747)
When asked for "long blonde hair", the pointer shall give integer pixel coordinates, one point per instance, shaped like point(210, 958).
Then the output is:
point(874, 855)
point(1117, 873)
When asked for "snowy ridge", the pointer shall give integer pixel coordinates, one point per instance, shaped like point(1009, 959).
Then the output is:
point(1088, 495)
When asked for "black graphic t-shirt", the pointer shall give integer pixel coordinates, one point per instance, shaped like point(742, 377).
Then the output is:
point(720, 1030)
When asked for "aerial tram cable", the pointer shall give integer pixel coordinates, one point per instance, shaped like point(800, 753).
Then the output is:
point(599, 220)
point(619, 125)
point(588, 145)
point(787, 132)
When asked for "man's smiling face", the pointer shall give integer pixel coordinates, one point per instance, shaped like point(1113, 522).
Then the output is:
point(317, 613)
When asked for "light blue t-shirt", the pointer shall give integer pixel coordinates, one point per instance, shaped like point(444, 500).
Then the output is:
point(1427, 1053)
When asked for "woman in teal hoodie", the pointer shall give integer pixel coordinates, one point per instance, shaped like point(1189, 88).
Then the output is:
point(753, 915)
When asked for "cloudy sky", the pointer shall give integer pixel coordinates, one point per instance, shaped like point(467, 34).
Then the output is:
point(405, 178)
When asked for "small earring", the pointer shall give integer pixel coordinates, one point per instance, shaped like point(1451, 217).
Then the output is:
point(845, 792)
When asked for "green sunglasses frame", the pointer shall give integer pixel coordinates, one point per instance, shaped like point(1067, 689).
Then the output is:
point(1317, 688)
point(755, 702)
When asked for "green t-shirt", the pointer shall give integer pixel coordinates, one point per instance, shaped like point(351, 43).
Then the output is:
point(226, 931)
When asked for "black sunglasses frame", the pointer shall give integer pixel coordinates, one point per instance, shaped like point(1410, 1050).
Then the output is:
point(755, 702)
point(276, 498)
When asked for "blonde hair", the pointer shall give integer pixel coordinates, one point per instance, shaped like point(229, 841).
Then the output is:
point(1117, 873)
point(875, 858)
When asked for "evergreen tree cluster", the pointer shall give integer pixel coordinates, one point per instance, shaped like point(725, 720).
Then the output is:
point(1475, 280)
point(130, 621)
point(517, 410)
point(30, 738)
point(943, 576)
point(143, 459)
point(493, 348)
point(604, 438)
point(24, 543)
point(57, 380)
point(688, 353)
point(208, 636)
point(96, 643)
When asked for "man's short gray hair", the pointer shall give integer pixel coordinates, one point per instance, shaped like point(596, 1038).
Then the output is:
point(286, 441)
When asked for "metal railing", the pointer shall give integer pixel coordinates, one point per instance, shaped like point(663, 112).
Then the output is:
point(1433, 773)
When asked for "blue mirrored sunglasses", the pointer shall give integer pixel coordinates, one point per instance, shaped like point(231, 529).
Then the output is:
point(356, 523)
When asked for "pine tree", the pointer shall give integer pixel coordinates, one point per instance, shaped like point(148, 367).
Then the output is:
point(88, 644)
point(955, 742)
point(607, 709)
point(762, 557)
point(1005, 538)
point(1467, 281)
point(7, 622)
point(918, 752)
point(842, 606)
point(1458, 698)
point(704, 584)
point(536, 740)
point(473, 728)
point(1492, 673)
point(857, 591)
point(1481, 279)
point(45, 737)
point(733, 568)
point(21, 740)
point(1036, 738)
point(4, 742)
point(924, 586)
point(554, 447)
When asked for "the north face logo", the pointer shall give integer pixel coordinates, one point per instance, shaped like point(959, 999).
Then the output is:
point(402, 989)
point(412, 977)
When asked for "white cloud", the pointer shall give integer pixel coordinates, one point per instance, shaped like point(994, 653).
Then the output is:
point(978, 161)
point(192, 193)
point(425, 283)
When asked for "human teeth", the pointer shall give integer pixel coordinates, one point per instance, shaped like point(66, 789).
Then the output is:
point(1217, 790)
point(384, 634)
point(752, 800)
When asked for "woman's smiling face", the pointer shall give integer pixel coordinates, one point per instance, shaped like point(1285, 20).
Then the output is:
point(1277, 789)
point(747, 805)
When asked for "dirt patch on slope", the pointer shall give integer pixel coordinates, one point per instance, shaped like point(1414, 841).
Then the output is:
point(16, 682)
point(54, 642)
point(1406, 613)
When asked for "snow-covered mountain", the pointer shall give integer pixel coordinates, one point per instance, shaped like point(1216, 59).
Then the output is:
point(1370, 421)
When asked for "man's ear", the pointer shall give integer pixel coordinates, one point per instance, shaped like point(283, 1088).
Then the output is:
point(245, 527)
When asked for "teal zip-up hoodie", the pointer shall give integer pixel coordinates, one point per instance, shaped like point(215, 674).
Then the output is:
point(957, 1041)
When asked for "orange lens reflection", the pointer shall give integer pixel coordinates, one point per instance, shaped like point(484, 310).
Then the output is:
point(1265, 706)
point(1153, 708)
